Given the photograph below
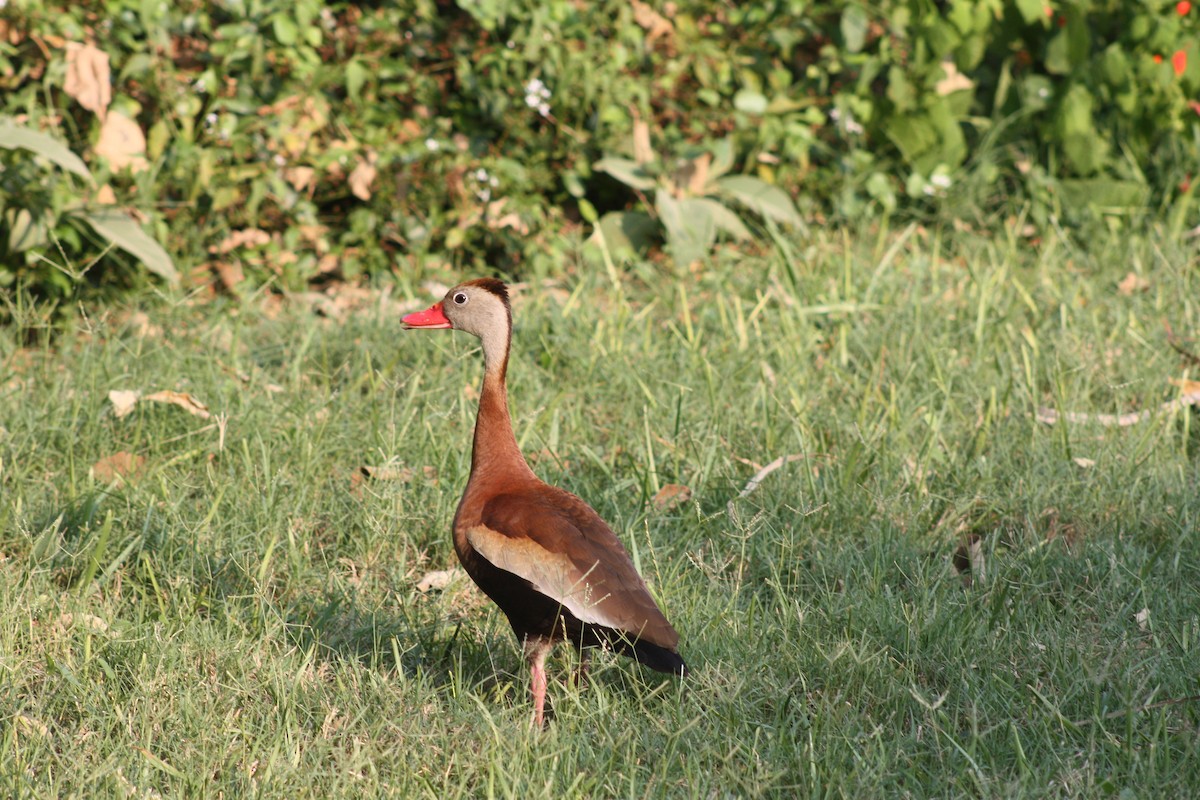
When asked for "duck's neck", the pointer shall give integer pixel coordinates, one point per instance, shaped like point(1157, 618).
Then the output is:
point(495, 457)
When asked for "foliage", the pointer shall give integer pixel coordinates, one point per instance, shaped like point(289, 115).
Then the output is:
point(44, 213)
point(286, 142)
point(688, 201)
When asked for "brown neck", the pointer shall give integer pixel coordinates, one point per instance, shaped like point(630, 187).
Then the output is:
point(495, 457)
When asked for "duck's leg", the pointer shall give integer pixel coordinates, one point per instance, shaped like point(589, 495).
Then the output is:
point(536, 650)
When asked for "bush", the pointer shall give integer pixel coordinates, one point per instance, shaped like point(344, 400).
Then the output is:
point(292, 140)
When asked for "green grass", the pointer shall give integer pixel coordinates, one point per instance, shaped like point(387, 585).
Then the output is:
point(242, 616)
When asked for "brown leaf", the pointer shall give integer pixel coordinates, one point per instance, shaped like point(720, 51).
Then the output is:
point(439, 579)
point(643, 151)
point(117, 466)
point(300, 178)
point(248, 237)
point(230, 274)
point(185, 401)
point(105, 196)
point(89, 80)
point(655, 24)
point(1186, 386)
point(671, 496)
point(694, 174)
point(362, 177)
point(122, 143)
point(1084, 463)
point(968, 559)
point(954, 81)
point(1131, 283)
point(123, 401)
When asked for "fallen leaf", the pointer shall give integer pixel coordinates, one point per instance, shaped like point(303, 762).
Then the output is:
point(89, 80)
point(1084, 462)
point(439, 579)
point(643, 151)
point(671, 496)
point(1186, 386)
point(1131, 283)
point(123, 401)
point(230, 274)
point(1143, 619)
point(247, 237)
point(954, 81)
point(105, 196)
point(27, 725)
point(122, 143)
point(300, 178)
point(182, 399)
point(694, 174)
point(655, 24)
point(68, 620)
point(117, 466)
point(362, 176)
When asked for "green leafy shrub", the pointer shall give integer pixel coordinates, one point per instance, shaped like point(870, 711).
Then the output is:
point(50, 225)
point(361, 139)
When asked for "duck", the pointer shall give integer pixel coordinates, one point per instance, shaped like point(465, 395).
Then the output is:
point(554, 568)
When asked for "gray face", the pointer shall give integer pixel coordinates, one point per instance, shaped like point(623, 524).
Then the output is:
point(476, 310)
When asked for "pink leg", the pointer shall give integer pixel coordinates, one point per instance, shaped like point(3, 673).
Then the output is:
point(536, 651)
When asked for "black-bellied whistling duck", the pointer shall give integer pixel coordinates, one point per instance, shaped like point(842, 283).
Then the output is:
point(554, 568)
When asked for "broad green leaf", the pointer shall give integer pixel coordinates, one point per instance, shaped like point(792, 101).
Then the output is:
point(724, 219)
point(750, 102)
point(627, 171)
point(722, 162)
point(854, 28)
point(285, 29)
point(690, 228)
point(1032, 10)
point(25, 231)
point(761, 197)
point(356, 77)
point(124, 232)
point(19, 137)
point(627, 231)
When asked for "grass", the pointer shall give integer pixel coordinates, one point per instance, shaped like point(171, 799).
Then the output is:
point(241, 616)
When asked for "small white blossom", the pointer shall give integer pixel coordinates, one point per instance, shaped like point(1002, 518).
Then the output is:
point(481, 175)
point(432, 145)
point(537, 95)
point(200, 86)
point(510, 44)
point(210, 119)
point(279, 160)
point(940, 179)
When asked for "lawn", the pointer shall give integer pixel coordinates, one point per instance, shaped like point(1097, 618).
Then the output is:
point(236, 607)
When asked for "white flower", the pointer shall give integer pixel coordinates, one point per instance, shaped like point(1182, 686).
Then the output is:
point(200, 86)
point(941, 180)
point(432, 145)
point(210, 119)
point(481, 175)
point(536, 96)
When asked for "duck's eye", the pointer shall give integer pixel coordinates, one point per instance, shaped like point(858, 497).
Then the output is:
point(460, 299)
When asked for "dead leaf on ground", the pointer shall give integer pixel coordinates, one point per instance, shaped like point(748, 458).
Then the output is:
point(118, 466)
point(1132, 283)
point(248, 237)
point(122, 143)
point(656, 25)
point(1143, 619)
point(69, 620)
point(300, 178)
point(182, 399)
point(671, 496)
point(89, 79)
point(1186, 386)
point(439, 579)
point(1084, 462)
point(230, 274)
point(105, 196)
point(362, 176)
point(123, 401)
